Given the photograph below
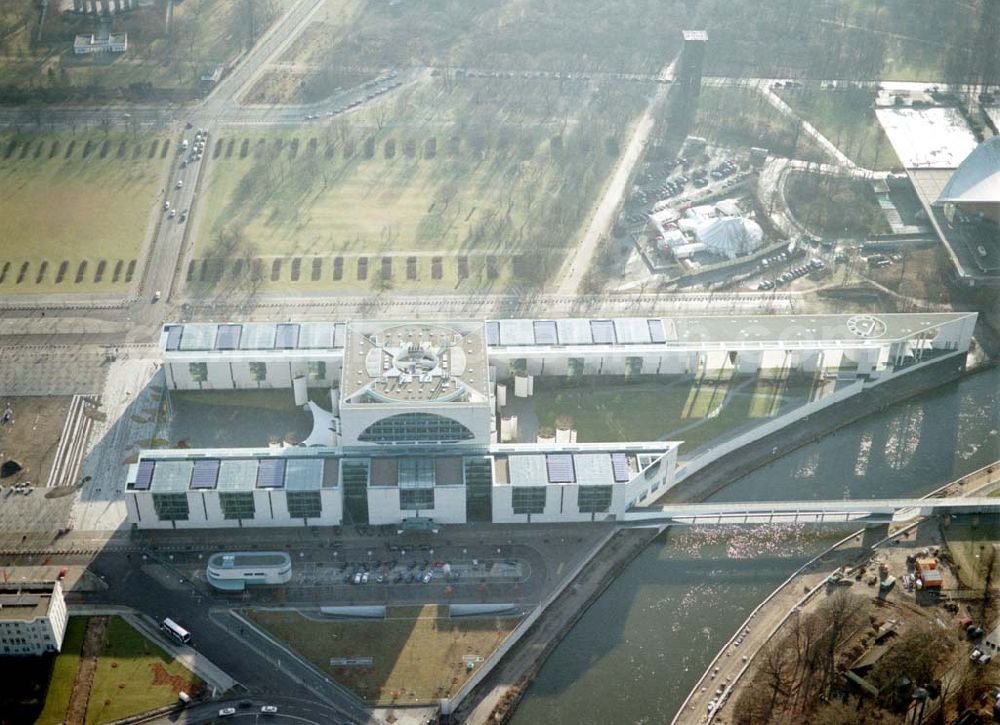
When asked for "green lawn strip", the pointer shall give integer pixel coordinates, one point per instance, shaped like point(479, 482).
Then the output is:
point(75, 209)
point(63, 674)
point(134, 675)
point(417, 654)
point(847, 118)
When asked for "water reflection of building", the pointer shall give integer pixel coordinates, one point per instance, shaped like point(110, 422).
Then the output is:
point(413, 430)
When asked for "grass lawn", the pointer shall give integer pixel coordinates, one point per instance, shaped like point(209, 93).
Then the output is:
point(831, 206)
point(133, 676)
point(969, 546)
point(455, 185)
point(847, 118)
point(556, 35)
point(417, 653)
point(74, 209)
point(742, 117)
point(682, 409)
point(63, 674)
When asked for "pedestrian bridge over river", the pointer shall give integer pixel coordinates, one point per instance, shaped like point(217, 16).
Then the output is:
point(869, 511)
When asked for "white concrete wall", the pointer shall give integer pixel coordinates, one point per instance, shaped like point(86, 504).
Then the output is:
point(235, 372)
point(383, 505)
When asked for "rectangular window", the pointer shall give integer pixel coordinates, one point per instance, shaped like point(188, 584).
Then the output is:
point(416, 498)
point(236, 505)
point(528, 499)
point(171, 506)
point(594, 499)
point(317, 370)
point(304, 504)
point(198, 372)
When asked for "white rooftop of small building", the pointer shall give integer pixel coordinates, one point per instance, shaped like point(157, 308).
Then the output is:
point(936, 137)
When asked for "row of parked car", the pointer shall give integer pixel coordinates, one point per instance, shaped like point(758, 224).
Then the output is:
point(377, 87)
point(791, 275)
point(393, 573)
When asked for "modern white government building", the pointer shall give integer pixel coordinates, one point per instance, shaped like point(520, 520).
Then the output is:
point(412, 433)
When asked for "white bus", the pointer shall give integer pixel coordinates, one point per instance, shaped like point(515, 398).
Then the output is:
point(175, 630)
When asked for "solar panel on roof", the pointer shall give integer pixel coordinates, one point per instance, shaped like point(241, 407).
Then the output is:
point(145, 475)
point(560, 468)
point(492, 333)
point(286, 337)
point(174, 333)
point(619, 464)
point(259, 336)
point(656, 331)
point(545, 332)
point(205, 473)
point(603, 331)
point(271, 473)
point(631, 331)
point(228, 337)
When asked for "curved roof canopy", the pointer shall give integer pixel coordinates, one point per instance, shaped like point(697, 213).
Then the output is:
point(977, 179)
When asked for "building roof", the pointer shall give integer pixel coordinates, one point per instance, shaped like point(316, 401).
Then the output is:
point(977, 179)
point(936, 137)
point(25, 601)
point(232, 559)
point(415, 362)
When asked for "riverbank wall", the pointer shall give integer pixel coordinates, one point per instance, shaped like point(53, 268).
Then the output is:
point(493, 696)
point(714, 469)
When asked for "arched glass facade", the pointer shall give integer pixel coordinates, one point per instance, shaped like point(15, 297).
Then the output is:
point(415, 428)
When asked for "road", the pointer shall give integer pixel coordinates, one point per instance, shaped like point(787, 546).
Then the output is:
point(600, 225)
point(290, 710)
point(138, 583)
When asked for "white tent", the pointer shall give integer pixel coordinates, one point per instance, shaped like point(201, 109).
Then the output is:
point(730, 236)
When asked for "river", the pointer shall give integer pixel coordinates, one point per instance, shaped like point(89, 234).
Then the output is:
point(639, 649)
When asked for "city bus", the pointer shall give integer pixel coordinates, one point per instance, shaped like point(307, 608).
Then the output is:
point(175, 630)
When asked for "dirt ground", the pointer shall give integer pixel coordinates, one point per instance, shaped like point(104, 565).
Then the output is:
point(32, 436)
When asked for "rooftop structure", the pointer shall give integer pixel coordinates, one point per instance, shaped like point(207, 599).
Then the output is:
point(32, 618)
point(414, 363)
point(111, 43)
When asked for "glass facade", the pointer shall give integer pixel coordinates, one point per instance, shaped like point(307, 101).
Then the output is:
point(237, 505)
point(415, 428)
point(594, 499)
point(416, 498)
point(171, 506)
point(528, 499)
point(478, 490)
point(354, 479)
point(304, 504)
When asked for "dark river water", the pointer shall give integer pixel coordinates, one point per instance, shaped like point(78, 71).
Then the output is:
point(637, 652)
